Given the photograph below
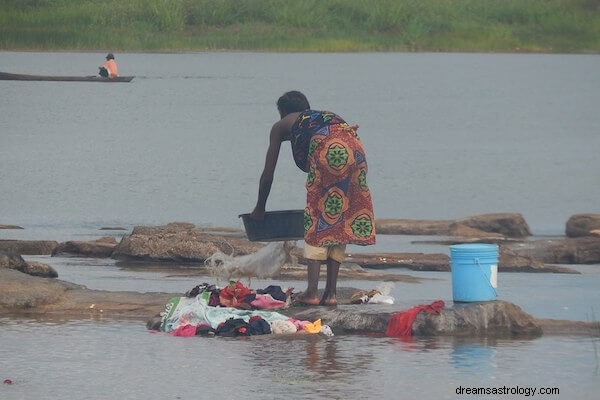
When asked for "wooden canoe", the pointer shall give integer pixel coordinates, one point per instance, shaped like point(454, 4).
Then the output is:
point(6, 76)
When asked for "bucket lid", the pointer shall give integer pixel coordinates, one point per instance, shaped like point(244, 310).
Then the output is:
point(475, 247)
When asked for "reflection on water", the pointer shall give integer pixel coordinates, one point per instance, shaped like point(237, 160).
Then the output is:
point(120, 359)
point(476, 356)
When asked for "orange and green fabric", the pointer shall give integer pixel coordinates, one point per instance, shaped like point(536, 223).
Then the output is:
point(339, 208)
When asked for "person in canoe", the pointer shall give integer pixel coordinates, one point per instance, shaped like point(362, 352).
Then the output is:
point(339, 208)
point(109, 68)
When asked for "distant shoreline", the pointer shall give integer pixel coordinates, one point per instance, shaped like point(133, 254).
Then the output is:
point(463, 26)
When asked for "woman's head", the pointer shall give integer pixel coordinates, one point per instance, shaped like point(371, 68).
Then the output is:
point(292, 101)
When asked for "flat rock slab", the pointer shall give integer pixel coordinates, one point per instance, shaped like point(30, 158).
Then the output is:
point(28, 247)
point(22, 294)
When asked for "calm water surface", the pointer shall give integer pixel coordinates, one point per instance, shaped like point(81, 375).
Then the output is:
point(447, 135)
point(105, 358)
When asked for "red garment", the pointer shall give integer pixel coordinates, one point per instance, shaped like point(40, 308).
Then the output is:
point(185, 330)
point(401, 323)
point(233, 294)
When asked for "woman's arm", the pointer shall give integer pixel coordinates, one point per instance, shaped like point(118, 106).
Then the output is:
point(266, 178)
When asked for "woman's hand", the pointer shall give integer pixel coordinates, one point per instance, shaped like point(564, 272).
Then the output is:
point(257, 214)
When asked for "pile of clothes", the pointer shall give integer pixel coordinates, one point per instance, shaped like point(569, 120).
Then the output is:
point(234, 310)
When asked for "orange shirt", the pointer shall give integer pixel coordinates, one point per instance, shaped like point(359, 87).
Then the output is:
point(111, 67)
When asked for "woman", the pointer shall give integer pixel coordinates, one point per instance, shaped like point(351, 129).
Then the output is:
point(339, 209)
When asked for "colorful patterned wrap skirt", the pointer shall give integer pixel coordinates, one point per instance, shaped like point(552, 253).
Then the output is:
point(338, 209)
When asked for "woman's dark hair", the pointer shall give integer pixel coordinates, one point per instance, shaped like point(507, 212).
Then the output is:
point(292, 101)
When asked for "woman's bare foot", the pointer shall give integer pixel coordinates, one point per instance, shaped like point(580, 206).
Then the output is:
point(329, 301)
point(306, 300)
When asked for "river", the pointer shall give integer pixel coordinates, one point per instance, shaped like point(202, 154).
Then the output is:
point(447, 136)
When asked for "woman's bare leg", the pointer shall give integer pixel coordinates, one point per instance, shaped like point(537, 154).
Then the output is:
point(329, 296)
point(310, 295)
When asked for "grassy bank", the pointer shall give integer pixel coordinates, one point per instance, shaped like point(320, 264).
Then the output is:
point(566, 26)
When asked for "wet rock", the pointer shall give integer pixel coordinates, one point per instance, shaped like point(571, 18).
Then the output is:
point(493, 318)
point(511, 225)
point(100, 248)
point(28, 247)
point(34, 268)
point(486, 319)
point(579, 225)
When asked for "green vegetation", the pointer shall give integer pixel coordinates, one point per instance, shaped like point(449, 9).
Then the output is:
point(569, 26)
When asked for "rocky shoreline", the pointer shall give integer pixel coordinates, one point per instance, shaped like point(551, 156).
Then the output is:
point(32, 288)
point(25, 295)
point(185, 243)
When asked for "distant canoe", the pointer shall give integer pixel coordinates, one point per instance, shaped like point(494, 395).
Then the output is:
point(5, 76)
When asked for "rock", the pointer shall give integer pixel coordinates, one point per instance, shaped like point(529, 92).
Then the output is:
point(178, 242)
point(412, 227)
point(34, 268)
point(494, 318)
point(11, 260)
point(580, 225)
point(10, 227)
point(511, 261)
point(497, 225)
point(25, 294)
point(580, 250)
point(485, 319)
point(347, 271)
point(562, 327)
point(508, 261)
point(511, 225)
point(100, 248)
point(464, 231)
point(28, 247)
point(22, 293)
point(412, 261)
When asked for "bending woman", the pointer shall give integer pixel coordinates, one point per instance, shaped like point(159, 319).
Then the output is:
point(339, 210)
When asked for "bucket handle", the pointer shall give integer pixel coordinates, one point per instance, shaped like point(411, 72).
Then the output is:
point(485, 276)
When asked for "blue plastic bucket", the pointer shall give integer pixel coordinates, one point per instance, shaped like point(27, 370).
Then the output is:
point(474, 272)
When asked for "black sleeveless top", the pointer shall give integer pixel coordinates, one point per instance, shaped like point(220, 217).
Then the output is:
point(308, 123)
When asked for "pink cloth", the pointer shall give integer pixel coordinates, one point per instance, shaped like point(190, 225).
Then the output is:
point(299, 324)
point(267, 302)
point(185, 330)
point(401, 323)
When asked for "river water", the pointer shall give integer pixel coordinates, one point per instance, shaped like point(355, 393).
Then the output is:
point(447, 136)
